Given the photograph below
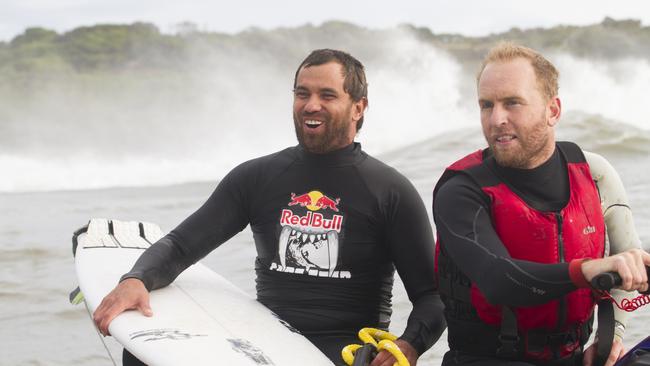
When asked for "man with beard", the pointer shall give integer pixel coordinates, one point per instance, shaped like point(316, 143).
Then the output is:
point(331, 224)
point(521, 231)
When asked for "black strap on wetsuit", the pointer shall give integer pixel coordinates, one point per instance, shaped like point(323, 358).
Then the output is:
point(605, 331)
point(509, 339)
point(512, 346)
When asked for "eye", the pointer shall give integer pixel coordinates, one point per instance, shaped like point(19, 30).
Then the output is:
point(485, 105)
point(512, 102)
point(328, 96)
point(300, 94)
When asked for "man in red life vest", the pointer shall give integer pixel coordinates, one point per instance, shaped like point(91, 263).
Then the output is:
point(521, 231)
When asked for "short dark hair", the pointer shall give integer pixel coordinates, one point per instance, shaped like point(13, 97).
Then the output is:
point(354, 75)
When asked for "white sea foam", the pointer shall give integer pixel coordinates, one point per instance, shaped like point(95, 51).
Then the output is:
point(415, 93)
point(617, 89)
point(238, 106)
point(72, 173)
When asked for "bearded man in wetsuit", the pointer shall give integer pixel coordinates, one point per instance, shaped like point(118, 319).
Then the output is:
point(331, 224)
point(521, 231)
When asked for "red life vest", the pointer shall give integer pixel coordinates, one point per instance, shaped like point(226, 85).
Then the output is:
point(577, 231)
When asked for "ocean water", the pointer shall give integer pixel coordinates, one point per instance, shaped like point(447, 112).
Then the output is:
point(155, 154)
point(40, 327)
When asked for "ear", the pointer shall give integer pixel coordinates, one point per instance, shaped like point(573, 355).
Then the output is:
point(555, 111)
point(359, 108)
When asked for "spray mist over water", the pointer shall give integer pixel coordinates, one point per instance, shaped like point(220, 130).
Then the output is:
point(232, 102)
point(616, 89)
point(230, 107)
point(414, 94)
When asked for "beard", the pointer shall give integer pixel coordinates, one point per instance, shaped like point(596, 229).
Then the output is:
point(334, 136)
point(531, 143)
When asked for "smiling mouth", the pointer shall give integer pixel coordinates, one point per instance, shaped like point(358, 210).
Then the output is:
point(505, 139)
point(311, 123)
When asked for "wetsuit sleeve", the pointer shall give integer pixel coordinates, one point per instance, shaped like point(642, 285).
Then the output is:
point(465, 230)
point(410, 242)
point(222, 216)
point(621, 232)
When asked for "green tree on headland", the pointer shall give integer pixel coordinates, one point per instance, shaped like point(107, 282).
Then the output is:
point(110, 54)
point(141, 45)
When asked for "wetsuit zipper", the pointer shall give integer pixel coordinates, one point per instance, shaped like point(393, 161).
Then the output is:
point(560, 242)
point(562, 311)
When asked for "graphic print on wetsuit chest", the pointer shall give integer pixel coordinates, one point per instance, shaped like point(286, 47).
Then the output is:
point(310, 236)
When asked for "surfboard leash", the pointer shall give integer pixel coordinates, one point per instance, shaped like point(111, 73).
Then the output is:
point(604, 282)
point(101, 337)
point(76, 297)
point(626, 304)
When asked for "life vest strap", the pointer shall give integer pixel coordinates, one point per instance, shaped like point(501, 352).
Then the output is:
point(479, 339)
point(509, 340)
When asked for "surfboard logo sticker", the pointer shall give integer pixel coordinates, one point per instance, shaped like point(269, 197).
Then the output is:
point(310, 237)
point(247, 348)
point(160, 334)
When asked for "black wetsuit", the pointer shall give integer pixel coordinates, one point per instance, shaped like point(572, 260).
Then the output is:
point(330, 229)
point(462, 209)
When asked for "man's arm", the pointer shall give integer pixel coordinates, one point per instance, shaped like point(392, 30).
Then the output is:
point(465, 230)
point(467, 235)
point(616, 210)
point(410, 242)
point(217, 220)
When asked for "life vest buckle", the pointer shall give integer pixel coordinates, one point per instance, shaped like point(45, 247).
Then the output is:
point(508, 346)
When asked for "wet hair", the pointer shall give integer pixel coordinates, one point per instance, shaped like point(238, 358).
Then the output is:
point(545, 72)
point(354, 75)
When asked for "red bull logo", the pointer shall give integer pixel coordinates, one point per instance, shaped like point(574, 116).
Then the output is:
point(312, 220)
point(315, 201)
point(309, 241)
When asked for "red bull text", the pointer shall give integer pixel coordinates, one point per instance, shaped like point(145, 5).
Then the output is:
point(312, 219)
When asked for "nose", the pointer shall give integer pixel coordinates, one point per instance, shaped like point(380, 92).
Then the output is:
point(313, 105)
point(498, 116)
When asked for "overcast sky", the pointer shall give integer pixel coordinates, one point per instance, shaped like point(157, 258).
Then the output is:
point(441, 16)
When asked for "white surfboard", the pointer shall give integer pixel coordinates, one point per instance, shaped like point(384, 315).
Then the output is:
point(199, 319)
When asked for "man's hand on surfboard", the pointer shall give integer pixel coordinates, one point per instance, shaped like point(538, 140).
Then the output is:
point(129, 294)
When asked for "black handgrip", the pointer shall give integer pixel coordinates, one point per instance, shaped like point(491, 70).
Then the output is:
point(364, 355)
point(608, 280)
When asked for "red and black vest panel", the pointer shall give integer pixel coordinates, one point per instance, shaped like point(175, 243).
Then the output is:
point(537, 236)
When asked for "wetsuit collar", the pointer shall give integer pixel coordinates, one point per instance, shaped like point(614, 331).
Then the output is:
point(553, 163)
point(545, 187)
point(348, 155)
